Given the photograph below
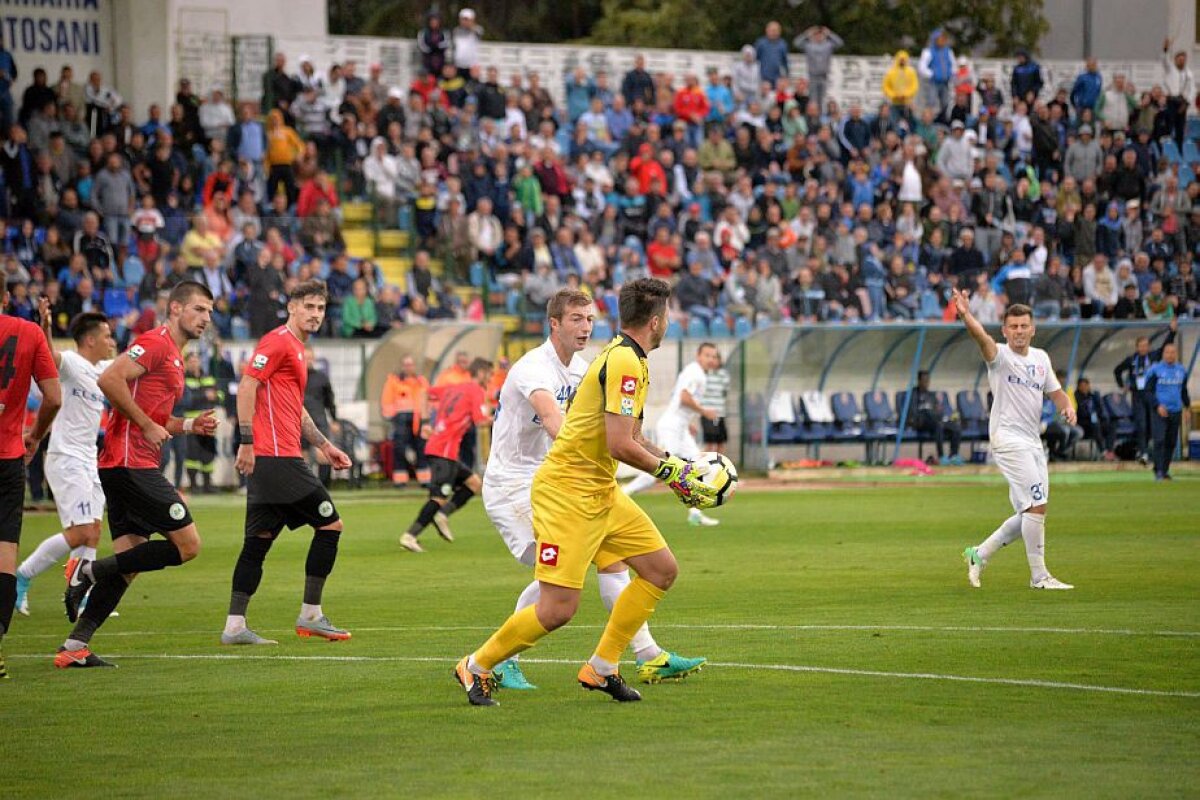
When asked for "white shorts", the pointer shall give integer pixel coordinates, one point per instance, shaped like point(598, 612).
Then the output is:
point(678, 441)
point(1027, 476)
point(510, 510)
point(77, 490)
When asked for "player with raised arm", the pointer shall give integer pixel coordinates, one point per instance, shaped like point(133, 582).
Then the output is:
point(281, 487)
point(25, 358)
point(71, 457)
point(1018, 376)
point(529, 417)
point(452, 482)
point(142, 384)
point(675, 429)
point(581, 516)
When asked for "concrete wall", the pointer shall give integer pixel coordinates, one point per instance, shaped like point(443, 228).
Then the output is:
point(1121, 29)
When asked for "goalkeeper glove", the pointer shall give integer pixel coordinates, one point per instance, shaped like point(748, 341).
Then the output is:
point(684, 480)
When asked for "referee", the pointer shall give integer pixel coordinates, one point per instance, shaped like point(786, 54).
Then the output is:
point(1166, 383)
point(714, 398)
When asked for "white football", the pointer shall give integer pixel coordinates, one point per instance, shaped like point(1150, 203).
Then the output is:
point(718, 471)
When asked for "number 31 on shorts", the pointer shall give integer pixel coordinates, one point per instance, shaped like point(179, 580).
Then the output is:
point(1036, 492)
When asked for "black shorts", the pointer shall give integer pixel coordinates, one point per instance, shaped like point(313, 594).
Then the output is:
point(284, 491)
point(445, 476)
point(142, 502)
point(12, 499)
point(714, 432)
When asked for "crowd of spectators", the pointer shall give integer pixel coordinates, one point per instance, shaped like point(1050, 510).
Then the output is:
point(753, 190)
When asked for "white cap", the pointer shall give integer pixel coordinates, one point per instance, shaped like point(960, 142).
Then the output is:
point(306, 59)
point(466, 13)
point(396, 92)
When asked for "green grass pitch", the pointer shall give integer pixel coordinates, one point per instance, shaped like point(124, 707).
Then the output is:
point(849, 659)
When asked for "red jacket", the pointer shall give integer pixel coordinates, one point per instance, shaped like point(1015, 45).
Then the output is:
point(310, 193)
point(646, 169)
point(553, 178)
point(691, 105)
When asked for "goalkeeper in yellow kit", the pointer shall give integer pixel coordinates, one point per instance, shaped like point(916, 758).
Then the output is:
point(581, 516)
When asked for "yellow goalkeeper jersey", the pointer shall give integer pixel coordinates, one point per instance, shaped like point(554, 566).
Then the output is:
point(615, 383)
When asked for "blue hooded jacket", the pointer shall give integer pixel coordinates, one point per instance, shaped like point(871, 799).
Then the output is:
point(940, 62)
point(1086, 91)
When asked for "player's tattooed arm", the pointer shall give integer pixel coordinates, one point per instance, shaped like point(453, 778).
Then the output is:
point(310, 432)
point(649, 446)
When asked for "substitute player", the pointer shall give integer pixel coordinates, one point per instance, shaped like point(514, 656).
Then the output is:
point(674, 431)
point(24, 358)
point(71, 456)
point(281, 487)
point(142, 384)
point(581, 516)
point(532, 399)
point(1018, 376)
point(460, 407)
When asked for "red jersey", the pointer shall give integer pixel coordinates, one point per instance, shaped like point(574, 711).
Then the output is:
point(24, 357)
point(458, 405)
point(156, 392)
point(278, 366)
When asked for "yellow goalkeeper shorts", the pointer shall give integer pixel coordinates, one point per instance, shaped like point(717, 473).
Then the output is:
point(573, 531)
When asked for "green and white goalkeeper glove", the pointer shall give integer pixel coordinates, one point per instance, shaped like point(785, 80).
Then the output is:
point(685, 481)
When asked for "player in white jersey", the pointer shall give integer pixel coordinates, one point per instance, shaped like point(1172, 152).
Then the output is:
point(675, 430)
point(1019, 375)
point(533, 400)
point(71, 455)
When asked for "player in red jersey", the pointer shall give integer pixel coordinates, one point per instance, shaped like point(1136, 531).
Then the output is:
point(452, 483)
point(24, 358)
point(281, 488)
point(142, 384)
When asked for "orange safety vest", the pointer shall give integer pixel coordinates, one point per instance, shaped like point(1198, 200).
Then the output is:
point(404, 396)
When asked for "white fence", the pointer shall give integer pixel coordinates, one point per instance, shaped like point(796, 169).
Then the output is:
point(854, 78)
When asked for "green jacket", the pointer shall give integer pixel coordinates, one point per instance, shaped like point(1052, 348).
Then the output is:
point(355, 315)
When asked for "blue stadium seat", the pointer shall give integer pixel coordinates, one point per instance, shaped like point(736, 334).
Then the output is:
point(881, 419)
point(477, 274)
point(763, 322)
point(696, 328)
point(719, 328)
point(819, 419)
point(973, 415)
point(847, 417)
point(783, 425)
point(602, 331)
point(674, 330)
point(742, 327)
point(116, 302)
point(1191, 154)
point(1170, 151)
point(1121, 413)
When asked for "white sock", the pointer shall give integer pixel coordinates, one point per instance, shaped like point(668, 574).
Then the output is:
point(602, 667)
point(45, 556)
point(310, 612)
point(86, 552)
point(235, 623)
point(640, 484)
point(1008, 532)
point(529, 595)
point(474, 668)
point(1033, 531)
point(611, 585)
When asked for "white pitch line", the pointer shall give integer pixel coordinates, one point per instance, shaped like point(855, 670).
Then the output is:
point(863, 673)
point(721, 627)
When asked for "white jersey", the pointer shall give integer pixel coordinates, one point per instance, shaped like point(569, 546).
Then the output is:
point(1018, 385)
point(78, 422)
point(692, 380)
point(519, 442)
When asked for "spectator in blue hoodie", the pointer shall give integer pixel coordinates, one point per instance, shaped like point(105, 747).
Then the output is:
point(1086, 91)
point(936, 70)
point(772, 53)
point(579, 92)
point(8, 74)
point(1026, 77)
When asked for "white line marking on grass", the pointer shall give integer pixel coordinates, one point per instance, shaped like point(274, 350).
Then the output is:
point(719, 627)
point(864, 673)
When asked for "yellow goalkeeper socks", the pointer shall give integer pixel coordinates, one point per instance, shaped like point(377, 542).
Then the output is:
point(633, 607)
point(519, 632)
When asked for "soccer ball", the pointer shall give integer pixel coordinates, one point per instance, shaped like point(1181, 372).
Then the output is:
point(717, 471)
